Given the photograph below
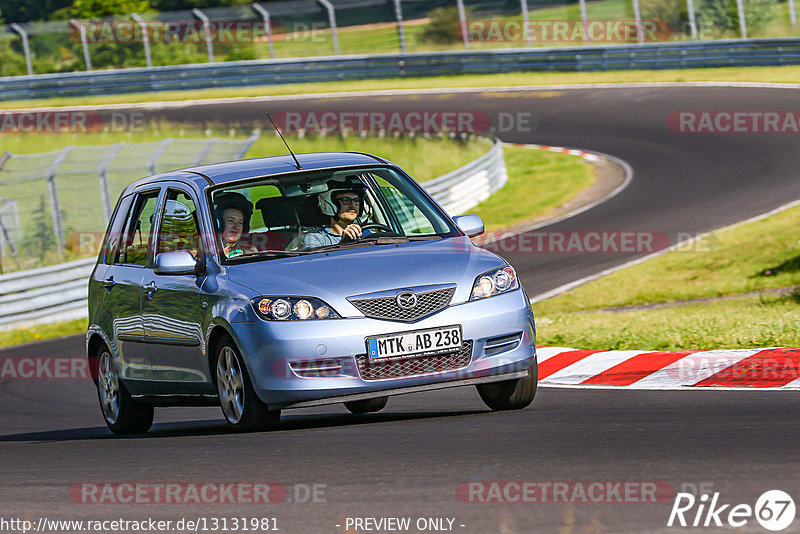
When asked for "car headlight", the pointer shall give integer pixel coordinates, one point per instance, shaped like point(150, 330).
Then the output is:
point(293, 309)
point(494, 282)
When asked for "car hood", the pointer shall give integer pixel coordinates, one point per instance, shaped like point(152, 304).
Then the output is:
point(339, 274)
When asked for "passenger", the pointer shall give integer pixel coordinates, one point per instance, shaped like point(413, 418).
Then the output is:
point(343, 206)
point(232, 213)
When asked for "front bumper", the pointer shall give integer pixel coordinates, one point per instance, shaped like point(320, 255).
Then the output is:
point(274, 350)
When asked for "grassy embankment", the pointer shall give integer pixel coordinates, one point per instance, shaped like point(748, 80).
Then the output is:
point(660, 298)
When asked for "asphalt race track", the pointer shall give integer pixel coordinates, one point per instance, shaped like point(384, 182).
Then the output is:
point(411, 459)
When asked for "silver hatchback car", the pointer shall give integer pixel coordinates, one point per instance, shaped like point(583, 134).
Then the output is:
point(266, 284)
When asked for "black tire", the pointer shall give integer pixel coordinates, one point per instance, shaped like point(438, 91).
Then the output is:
point(122, 414)
point(240, 405)
point(510, 394)
point(367, 405)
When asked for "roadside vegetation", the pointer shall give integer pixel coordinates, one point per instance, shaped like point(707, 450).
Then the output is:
point(656, 303)
point(784, 74)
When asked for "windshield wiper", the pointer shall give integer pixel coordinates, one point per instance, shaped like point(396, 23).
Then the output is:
point(276, 253)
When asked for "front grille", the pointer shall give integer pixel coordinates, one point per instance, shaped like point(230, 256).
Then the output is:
point(428, 303)
point(405, 367)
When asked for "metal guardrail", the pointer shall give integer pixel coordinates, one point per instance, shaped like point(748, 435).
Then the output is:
point(464, 188)
point(60, 292)
point(694, 54)
point(45, 295)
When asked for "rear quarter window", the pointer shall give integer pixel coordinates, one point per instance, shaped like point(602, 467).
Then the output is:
point(114, 232)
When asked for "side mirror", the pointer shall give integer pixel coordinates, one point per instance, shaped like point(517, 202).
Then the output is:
point(177, 262)
point(471, 225)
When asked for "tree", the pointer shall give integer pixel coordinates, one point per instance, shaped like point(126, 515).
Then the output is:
point(17, 11)
point(444, 27)
point(721, 16)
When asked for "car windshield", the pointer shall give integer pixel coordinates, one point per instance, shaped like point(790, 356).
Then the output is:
point(306, 213)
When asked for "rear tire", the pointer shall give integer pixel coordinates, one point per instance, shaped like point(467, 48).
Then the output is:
point(122, 414)
point(510, 394)
point(367, 405)
point(242, 408)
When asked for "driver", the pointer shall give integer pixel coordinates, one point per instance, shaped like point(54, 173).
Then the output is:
point(232, 213)
point(343, 207)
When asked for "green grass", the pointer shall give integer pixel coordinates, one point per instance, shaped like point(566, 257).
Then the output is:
point(449, 154)
point(538, 181)
point(784, 74)
point(19, 336)
point(741, 322)
point(759, 255)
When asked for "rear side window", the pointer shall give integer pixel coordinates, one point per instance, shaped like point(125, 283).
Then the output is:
point(139, 230)
point(179, 229)
point(114, 236)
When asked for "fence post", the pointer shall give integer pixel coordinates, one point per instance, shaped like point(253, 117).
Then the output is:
point(267, 28)
point(332, 20)
point(5, 156)
point(205, 150)
point(55, 212)
point(692, 20)
point(462, 17)
point(207, 31)
point(526, 30)
point(145, 38)
point(792, 14)
point(84, 43)
point(25, 46)
point(248, 143)
point(742, 19)
point(637, 14)
point(162, 146)
point(585, 21)
point(112, 153)
point(401, 34)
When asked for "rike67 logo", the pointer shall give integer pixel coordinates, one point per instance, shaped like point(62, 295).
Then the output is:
point(774, 510)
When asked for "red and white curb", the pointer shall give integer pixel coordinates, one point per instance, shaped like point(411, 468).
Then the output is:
point(589, 156)
point(770, 368)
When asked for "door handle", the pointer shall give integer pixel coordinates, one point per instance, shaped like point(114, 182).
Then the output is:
point(151, 289)
point(109, 283)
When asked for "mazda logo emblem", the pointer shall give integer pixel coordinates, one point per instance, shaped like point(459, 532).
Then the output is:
point(406, 300)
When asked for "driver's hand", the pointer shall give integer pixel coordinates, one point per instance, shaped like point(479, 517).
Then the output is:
point(353, 231)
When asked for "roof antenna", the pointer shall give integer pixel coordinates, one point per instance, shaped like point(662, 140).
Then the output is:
point(299, 168)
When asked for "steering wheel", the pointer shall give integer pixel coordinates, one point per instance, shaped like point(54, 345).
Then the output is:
point(369, 226)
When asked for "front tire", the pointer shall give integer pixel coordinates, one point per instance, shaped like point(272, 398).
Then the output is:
point(122, 414)
point(367, 405)
point(510, 394)
point(242, 408)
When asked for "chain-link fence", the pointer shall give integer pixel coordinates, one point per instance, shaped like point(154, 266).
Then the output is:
point(308, 28)
point(51, 201)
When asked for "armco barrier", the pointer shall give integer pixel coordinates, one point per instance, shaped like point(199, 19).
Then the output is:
point(739, 52)
point(59, 292)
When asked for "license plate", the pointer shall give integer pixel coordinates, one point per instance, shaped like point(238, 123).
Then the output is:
point(416, 343)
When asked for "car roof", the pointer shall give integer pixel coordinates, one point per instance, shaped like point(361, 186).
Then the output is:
point(220, 173)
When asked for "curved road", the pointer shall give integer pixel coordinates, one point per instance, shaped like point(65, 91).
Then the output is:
point(410, 459)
